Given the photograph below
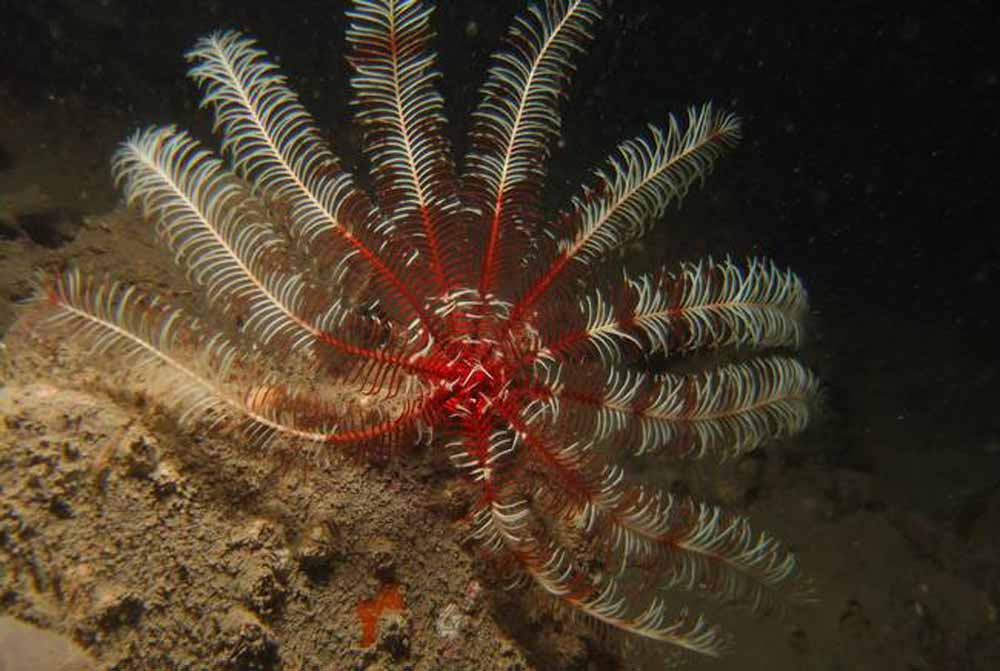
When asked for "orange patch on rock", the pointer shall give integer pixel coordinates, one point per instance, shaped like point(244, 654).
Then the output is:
point(370, 610)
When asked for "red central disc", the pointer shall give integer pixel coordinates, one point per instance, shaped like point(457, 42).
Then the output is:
point(477, 365)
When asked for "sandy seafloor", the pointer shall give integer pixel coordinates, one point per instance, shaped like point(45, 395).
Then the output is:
point(143, 546)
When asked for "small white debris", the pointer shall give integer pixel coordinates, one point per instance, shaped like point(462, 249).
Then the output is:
point(450, 622)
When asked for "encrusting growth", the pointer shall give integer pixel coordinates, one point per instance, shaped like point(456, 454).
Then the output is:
point(449, 308)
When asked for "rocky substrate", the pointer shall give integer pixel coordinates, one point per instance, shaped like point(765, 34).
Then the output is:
point(157, 549)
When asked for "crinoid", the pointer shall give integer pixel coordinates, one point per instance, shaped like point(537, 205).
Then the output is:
point(450, 309)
